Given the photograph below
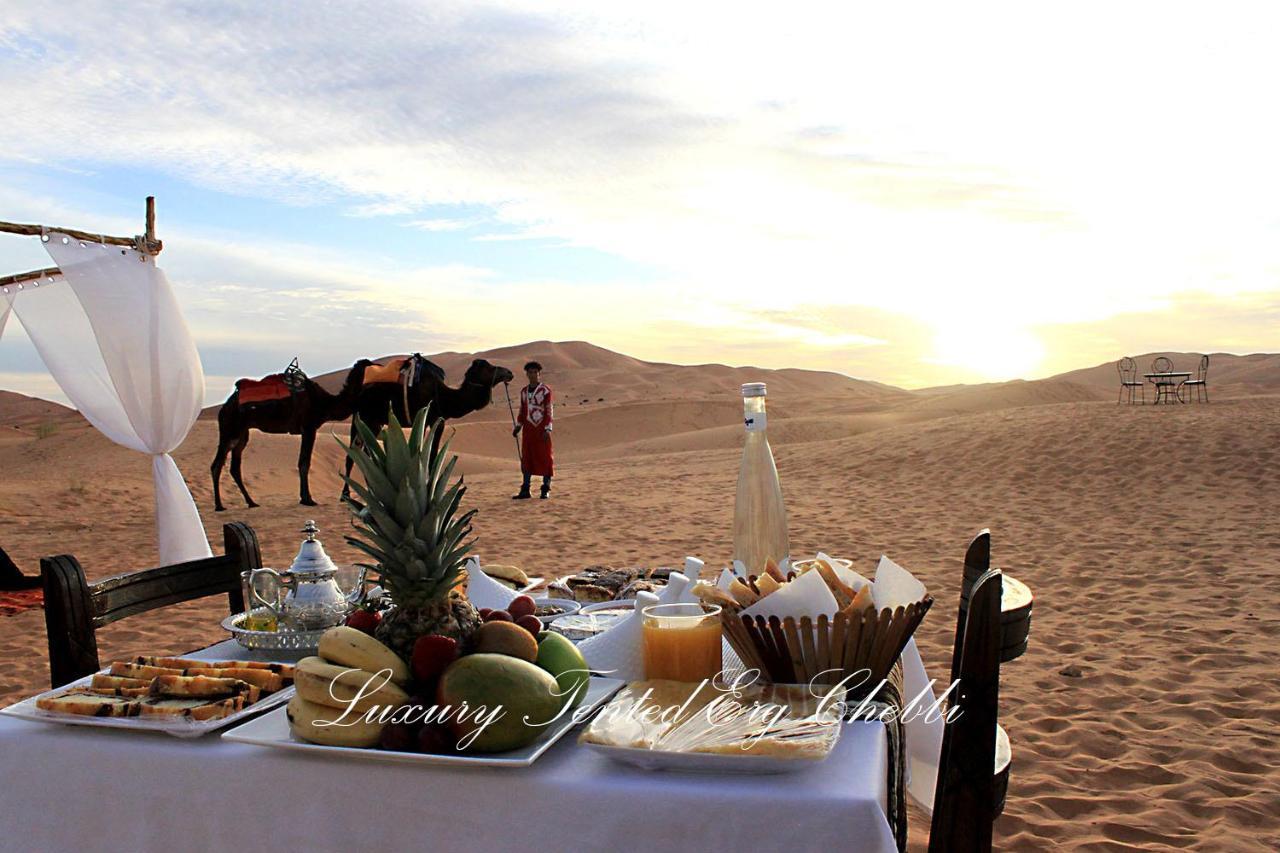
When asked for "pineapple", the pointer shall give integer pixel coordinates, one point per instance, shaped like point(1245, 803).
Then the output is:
point(408, 523)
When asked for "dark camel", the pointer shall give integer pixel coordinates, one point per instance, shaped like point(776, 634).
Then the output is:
point(473, 394)
point(301, 413)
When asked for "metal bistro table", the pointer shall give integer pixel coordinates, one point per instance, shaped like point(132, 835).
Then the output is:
point(1168, 384)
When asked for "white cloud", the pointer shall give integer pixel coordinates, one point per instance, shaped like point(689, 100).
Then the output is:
point(986, 165)
point(442, 224)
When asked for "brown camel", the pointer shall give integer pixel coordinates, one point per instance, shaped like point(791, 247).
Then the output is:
point(301, 413)
point(427, 388)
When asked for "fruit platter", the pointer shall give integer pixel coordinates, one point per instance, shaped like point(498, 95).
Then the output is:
point(431, 677)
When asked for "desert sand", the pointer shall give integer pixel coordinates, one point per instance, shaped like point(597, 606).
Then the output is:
point(1144, 714)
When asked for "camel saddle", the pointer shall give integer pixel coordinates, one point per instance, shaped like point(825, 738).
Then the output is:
point(402, 370)
point(389, 372)
point(277, 386)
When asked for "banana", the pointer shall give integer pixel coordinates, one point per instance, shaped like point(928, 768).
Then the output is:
point(349, 647)
point(335, 686)
point(351, 730)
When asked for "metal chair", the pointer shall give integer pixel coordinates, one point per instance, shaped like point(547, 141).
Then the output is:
point(1201, 382)
point(1164, 387)
point(74, 610)
point(1128, 369)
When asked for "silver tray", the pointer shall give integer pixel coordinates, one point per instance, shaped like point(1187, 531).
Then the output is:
point(272, 641)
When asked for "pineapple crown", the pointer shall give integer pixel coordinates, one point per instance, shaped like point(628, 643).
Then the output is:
point(406, 513)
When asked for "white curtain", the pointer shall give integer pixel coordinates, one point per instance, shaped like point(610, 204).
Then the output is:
point(110, 332)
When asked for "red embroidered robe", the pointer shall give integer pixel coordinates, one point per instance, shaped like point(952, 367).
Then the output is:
point(536, 414)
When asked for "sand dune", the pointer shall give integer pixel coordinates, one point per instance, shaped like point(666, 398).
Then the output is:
point(1147, 534)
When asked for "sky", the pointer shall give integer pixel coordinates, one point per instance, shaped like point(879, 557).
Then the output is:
point(913, 193)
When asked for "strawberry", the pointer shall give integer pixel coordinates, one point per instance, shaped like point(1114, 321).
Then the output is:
point(432, 654)
point(364, 620)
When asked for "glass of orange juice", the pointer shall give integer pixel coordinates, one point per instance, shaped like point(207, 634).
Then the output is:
point(681, 641)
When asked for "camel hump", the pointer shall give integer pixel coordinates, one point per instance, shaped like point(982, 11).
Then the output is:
point(434, 369)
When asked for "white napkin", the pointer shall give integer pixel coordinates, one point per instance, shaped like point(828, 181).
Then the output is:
point(895, 586)
point(692, 568)
point(807, 595)
point(740, 569)
point(725, 580)
point(484, 591)
point(677, 590)
point(619, 651)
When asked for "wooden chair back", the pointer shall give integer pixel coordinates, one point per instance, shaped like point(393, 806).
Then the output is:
point(966, 800)
point(75, 609)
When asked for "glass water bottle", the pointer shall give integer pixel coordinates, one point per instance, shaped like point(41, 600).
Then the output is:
point(759, 517)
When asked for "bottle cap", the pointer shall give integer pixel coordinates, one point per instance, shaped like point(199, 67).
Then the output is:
point(754, 389)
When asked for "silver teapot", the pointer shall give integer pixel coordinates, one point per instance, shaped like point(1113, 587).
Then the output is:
point(307, 596)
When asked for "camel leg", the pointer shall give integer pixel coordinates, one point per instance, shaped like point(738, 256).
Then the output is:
point(216, 470)
point(236, 450)
point(304, 467)
point(354, 441)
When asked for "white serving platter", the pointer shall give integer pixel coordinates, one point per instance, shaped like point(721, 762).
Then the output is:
point(705, 762)
point(272, 730)
point(177, 727)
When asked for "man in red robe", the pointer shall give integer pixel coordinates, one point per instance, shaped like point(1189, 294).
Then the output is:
point(536, 414)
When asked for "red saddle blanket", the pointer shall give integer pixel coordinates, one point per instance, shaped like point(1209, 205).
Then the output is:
point(13, 603)
point(271, 387)
point(389, 372)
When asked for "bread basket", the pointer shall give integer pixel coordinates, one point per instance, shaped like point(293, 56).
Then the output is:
point(861, 647)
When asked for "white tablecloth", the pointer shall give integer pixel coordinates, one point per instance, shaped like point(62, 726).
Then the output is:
point(84, 789)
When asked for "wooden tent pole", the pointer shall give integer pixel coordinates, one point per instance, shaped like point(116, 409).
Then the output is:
point(146, 243)
point(19, 278)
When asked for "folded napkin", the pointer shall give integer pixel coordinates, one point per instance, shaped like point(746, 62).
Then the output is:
point(895, 586)
point(807, 595)
point(677, 591)
point(619, 651)
point(484, 591)
point(692, 568)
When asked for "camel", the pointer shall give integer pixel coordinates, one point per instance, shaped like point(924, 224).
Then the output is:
point(302, 412)
point(427, 389)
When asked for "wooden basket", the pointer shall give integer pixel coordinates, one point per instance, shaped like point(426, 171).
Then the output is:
point(790, 652)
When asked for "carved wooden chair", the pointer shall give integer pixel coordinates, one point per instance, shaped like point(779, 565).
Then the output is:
point(74, 609)
point(1128, 369)
point(973, 770)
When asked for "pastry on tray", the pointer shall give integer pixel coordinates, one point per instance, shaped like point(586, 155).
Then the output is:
point(595, 584)
point(176, 688)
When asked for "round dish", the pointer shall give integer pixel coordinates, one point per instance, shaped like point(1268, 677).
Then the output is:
point(593, 619)
point(567, 607)
point(292, 641)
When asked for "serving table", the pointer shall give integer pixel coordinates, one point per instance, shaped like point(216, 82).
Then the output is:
point(84, 789)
